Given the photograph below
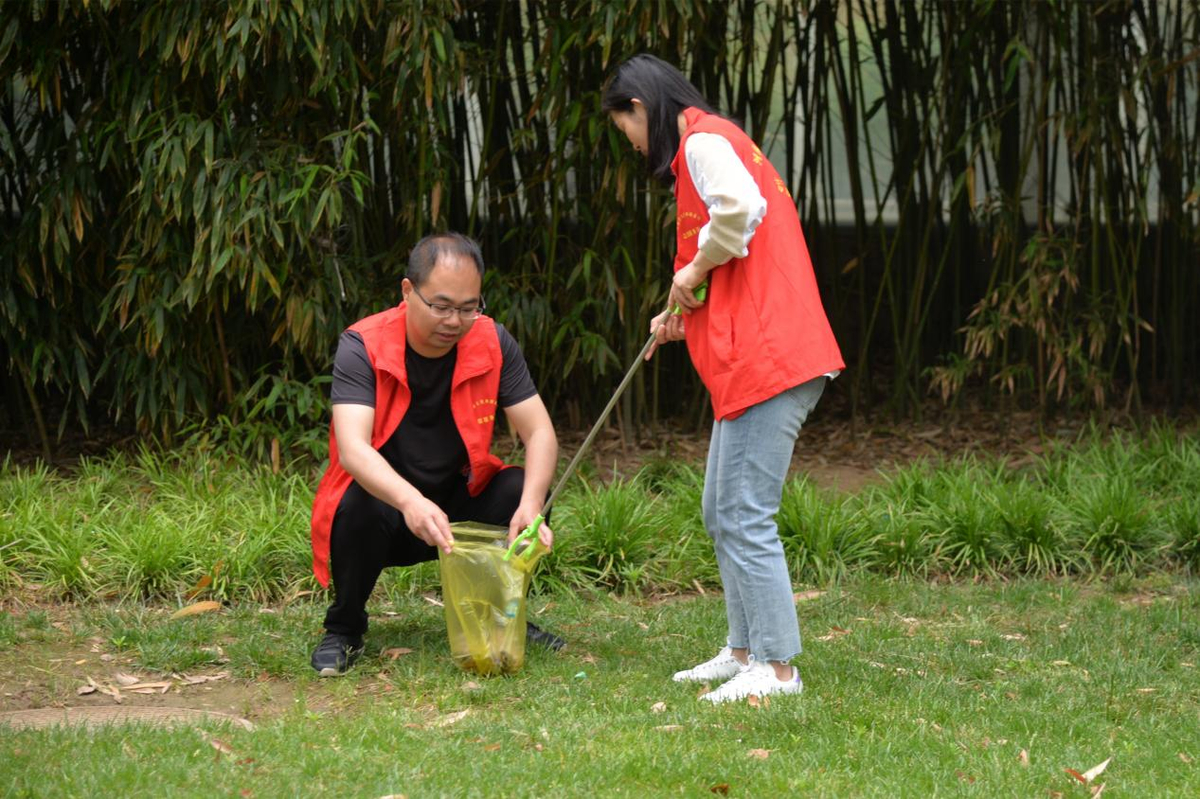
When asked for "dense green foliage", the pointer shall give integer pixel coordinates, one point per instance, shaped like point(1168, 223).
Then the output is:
point(197, 197)
point(154, 526)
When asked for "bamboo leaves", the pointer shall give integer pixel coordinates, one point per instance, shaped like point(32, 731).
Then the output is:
point(203, 190)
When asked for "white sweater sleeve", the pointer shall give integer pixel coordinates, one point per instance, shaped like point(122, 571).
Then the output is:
point(735, 204)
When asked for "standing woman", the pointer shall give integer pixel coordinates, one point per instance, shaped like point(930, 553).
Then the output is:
point(760, 342)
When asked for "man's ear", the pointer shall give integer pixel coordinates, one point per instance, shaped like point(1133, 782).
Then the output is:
point(406, 286)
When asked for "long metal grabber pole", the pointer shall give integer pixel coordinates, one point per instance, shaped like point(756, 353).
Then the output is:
point(535, 525)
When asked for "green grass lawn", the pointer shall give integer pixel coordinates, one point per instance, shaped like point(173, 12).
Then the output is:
point(912, 688)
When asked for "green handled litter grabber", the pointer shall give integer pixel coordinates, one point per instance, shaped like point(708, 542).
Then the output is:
point(530, 532)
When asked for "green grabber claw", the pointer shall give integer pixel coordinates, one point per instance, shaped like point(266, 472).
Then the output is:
point(529, 532)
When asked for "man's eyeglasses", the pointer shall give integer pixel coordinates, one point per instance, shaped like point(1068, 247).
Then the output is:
point(446, 311)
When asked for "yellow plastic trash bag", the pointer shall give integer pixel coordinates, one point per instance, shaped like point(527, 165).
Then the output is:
point(484, 598)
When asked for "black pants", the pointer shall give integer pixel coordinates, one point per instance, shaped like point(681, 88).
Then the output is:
point(369, 535)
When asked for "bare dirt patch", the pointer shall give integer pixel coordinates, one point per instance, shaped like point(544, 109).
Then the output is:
point(841, 454)
point(73, 677)
point(78, 679)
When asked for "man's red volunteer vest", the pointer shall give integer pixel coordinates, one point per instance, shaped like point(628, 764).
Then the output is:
point(474, 389)
point(762, 329)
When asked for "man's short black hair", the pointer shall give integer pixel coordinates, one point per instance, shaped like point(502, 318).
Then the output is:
point(664, 93)
point(425, 254)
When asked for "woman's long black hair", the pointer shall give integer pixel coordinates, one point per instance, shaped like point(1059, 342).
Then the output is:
point(664, 92)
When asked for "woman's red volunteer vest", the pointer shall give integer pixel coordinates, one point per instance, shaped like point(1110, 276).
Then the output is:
point(474, 389)
point(762, 329)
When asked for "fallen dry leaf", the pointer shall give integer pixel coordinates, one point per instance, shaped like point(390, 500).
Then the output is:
point(297, 595)
point(125, 680)
point(1013, 637)
point(471, 685)
point(1185, 758)
point(207, 606)
point(833, 633)
point(188, 679)
point(1076, 775)
point(974, 642)
point(217, 743)
point(113, 691)
point(1095, 771)
point(669, 727)
point(492, 748)
point(220, 746)
point(721, 788)
point(91, 689)
point(1098, 789)
point(396, 651)
point(431, 600)
point(1060, 663)
point(804, 596)
point(198, 588)
point(1023, 758)
point(217, 652)
point(761, 754)
point(394, 796)
point(150, 687)
point(1146, 690)
point(451, 718)
point(658, 707)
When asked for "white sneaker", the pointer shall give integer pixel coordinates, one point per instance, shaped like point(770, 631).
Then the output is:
point(722, 667)
point(755, 679)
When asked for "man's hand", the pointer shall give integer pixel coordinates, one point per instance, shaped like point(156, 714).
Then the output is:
point(429, 523)
point(665, 327)
point(523, 518)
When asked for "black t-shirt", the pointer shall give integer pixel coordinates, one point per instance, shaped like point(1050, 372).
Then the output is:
point(426, 449)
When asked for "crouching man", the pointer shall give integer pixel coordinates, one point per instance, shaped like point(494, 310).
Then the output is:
point(415, 394)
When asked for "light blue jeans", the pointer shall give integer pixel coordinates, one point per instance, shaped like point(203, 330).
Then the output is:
point(748, 460)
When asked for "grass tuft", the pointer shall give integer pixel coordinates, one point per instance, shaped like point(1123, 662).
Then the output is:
point(152, 525)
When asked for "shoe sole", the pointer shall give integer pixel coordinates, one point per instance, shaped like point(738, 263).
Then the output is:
point(766, 694)
point(685, 677)
point(331, 672)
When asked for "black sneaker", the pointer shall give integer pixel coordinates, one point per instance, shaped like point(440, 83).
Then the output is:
point(335, 654)
point(536, 635)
